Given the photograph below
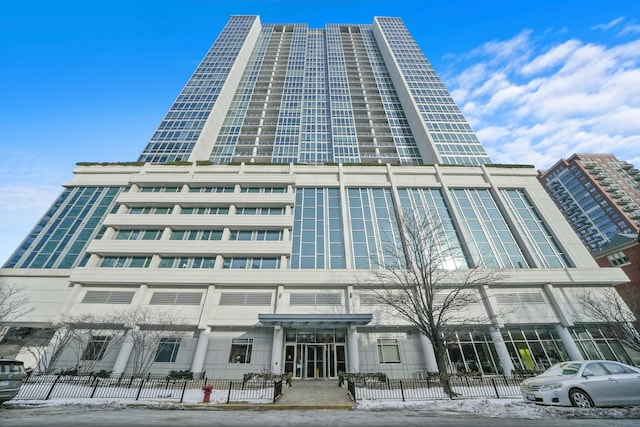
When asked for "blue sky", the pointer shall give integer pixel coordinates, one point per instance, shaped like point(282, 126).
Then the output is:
point(91, 80)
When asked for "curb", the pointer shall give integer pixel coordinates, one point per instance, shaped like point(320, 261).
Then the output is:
point(276, 407)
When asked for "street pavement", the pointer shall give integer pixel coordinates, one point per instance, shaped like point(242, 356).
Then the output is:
point(61, 416)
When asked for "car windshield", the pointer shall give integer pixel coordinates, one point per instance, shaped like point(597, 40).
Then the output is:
point(564, 368)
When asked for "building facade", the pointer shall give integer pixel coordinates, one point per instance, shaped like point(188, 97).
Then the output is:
point(249, 227)
point(598, 194)
point(624, 251)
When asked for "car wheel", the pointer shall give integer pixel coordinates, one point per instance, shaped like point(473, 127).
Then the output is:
point(580, 398)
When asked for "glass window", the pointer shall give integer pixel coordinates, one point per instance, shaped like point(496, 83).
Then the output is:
point(96, 348)
point(618, 259)
point(167, 350)
point(375, 233)
point(491, 243)
point(594, 369)
point(388, 350)
point(614, 368)
point(546, 248)
point(241, 350)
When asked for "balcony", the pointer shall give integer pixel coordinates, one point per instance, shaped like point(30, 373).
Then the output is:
point(614, 188)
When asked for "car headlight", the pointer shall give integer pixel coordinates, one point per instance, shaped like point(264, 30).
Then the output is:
point(551, 387)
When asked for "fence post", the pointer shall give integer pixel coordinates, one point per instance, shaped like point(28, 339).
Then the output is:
point(351, 385)
point(140, 388)
point(52, 386)
point(495, 387)
point(402, 390)
point(277, 389)
point(184, 387)
point(229, 395)
point(93, 392)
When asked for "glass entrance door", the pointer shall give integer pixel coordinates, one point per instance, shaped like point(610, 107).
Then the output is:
point(315, 361)
point(311, 354)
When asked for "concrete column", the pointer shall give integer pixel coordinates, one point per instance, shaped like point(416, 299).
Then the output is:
point(354, 355)
point(51, 353)
point(501, 349)
point(71, 299)
point(276, 349)
point(429, 354)
point(139, 296)
point(203, 321)
point(197, 365)
point(569, 343)
point(125, 352)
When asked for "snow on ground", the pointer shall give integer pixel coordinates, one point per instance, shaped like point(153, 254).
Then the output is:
point(498, 408)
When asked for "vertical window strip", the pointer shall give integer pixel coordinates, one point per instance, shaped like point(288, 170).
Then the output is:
point(427, 204)
point(375, 236)
point(60, 238)
point(488, 232)
point(546, 249)
point(317, 233)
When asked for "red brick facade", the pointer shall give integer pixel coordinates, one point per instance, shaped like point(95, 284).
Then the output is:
point(630, 291)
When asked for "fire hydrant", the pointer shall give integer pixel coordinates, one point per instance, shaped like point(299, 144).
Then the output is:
point(207, 392)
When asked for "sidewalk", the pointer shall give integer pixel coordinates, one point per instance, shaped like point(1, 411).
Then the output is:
point(304, 394)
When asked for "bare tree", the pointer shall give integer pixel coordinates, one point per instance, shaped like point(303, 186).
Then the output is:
point(58, 339)
point(606, 305)
point(13, 302)
point(91, 338)
point(152, 332)
point(426, 280)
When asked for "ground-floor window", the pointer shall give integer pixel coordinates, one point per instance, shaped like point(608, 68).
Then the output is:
point(167, 350)
point(241, 350)
point(388, 350)
point(96, 348)
point(472, 352)
point(534, 348)
point(599, 342)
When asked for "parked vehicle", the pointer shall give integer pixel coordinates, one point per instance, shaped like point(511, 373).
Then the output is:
point(585, 384)
point(12, 374)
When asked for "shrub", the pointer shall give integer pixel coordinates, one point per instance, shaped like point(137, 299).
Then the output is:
point(180, 375)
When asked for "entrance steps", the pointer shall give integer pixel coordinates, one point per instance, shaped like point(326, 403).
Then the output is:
point(314, 394)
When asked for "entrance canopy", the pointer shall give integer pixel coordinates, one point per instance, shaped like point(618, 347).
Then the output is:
point(314, 319)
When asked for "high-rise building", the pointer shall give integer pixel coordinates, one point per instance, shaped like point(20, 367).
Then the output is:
point(598, 194)
point(260, 206)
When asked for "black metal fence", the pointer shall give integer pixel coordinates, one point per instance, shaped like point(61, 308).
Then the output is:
point(351, 386)
point(148, 387)
point(431, 388)
point(161, 387)
point(277, 390)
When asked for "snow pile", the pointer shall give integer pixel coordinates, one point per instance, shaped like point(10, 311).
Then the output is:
point(500, 408)
point(497, 408)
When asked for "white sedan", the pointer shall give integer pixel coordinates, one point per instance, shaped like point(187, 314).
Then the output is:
point(585, 384)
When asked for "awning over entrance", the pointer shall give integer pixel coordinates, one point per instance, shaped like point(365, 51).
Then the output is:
point(314, 319)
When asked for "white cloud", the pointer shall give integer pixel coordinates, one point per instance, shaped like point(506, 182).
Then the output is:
point(535, 102)
point(608, 25)
point(630, 29)
point(550, 59)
